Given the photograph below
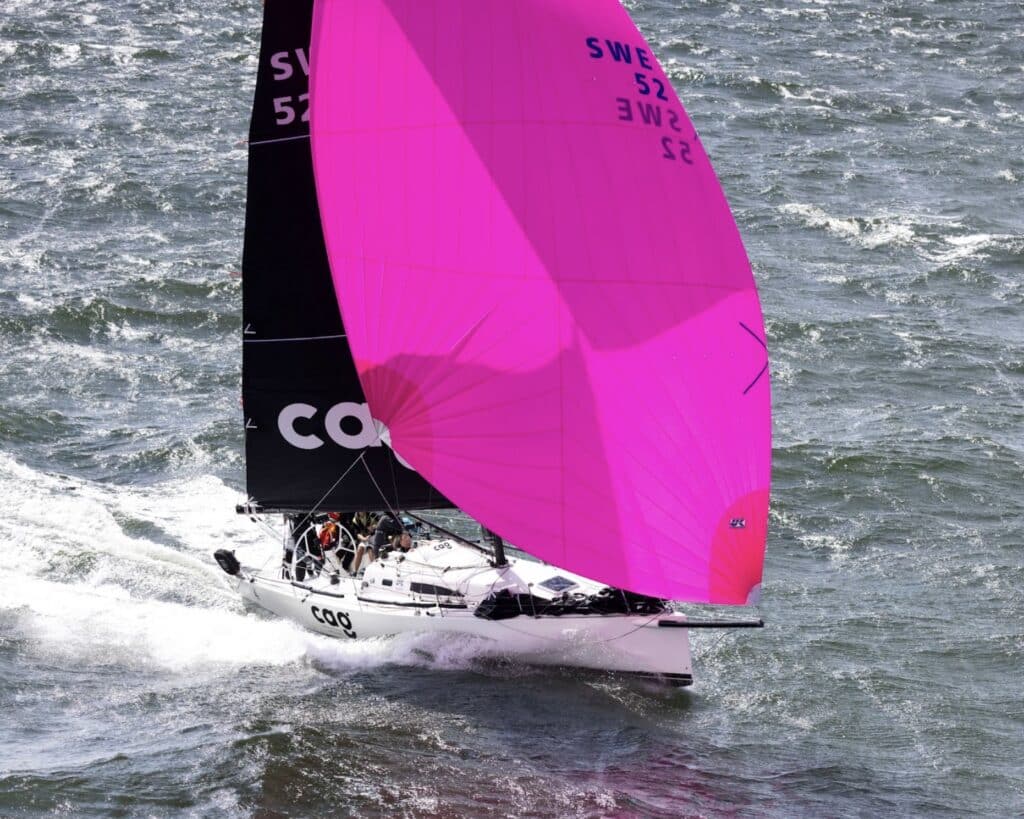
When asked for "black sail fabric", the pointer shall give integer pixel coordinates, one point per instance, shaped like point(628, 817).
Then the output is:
point(306, 419)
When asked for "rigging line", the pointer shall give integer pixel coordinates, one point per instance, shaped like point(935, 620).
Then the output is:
point(267, 529)
point(279, 139)
point(376, 485)
point(334, 485)
point(645, 624)
point(265, 562)
point(393, 472)
point(725, 633)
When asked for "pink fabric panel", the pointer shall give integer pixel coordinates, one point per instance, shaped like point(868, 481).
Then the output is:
point(545, 292)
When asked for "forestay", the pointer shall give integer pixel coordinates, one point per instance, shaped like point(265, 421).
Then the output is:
point(545, 293)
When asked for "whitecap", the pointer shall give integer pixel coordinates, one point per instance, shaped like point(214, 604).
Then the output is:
point(868, 232)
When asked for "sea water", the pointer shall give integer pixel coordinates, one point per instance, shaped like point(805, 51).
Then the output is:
point(872, 153)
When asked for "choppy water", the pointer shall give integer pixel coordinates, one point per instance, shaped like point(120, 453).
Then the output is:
point(874, 156)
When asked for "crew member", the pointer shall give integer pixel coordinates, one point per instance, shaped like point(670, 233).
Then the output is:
point(382, 532)
point(330, 532)
point(363, 524)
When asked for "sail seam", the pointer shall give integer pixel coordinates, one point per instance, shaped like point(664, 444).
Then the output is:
point(430, 268)
point(296, 338)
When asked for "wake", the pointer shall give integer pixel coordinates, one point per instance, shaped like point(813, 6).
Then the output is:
point(96, 575)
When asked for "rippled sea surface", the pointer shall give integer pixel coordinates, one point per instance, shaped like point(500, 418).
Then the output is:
point(874, 156)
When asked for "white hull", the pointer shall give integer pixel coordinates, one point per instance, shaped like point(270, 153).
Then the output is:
point(349, 608)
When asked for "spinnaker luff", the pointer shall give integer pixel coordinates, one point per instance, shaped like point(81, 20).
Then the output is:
point(545, 294)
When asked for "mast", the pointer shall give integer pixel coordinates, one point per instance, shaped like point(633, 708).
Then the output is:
point(497, 544)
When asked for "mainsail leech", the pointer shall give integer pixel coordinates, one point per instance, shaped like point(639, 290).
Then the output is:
point(544, 291)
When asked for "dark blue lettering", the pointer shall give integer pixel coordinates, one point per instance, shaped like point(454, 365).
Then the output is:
point(661, 88)
point(619, 51)
point(673, 121)
point(595, 49)
point(670, 151)
point(650, 114)
point(625, 109)
point(641, 57)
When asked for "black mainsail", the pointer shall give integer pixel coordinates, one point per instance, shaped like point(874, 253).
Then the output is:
point(310, 441)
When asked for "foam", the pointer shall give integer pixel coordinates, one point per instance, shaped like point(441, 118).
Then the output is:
point(63, 55)
point(895, 230)
point(914, 347)
point(871, 232)
point(838, 547)
point(84, 591)
point(972, 245)
point(105, 625)
point(438, 651)
point(814, 216)
point(86, 582)
point(820, 96)
point(52, 523)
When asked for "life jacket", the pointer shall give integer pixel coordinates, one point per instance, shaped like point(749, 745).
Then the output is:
point(362, 523)
point(329, 535)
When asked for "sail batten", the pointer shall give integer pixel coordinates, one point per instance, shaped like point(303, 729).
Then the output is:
point(525, 234)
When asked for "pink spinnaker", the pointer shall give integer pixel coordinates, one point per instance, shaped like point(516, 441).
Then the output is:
point(546, 295)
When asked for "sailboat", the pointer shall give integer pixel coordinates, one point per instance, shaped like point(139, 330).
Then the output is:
point(488, 266)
